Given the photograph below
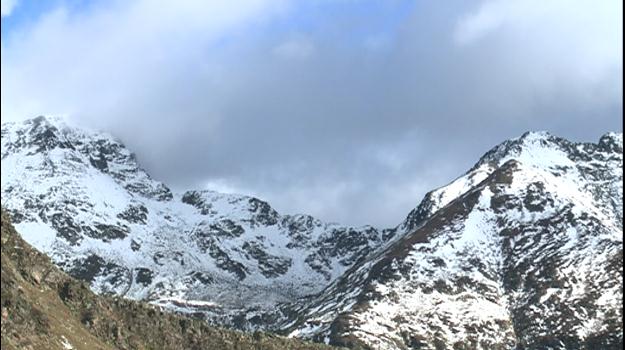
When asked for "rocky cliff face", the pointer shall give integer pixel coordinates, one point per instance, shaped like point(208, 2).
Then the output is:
point(523, 251)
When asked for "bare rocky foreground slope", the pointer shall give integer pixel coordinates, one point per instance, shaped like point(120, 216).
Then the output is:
point(524, 251)
point(43, 308)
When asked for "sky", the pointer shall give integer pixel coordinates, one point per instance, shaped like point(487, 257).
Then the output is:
point(349, 110)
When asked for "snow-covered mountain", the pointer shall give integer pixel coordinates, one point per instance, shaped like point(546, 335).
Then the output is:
point(523, 251)
point(81, 197)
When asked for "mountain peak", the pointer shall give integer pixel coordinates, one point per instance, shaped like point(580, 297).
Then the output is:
point(535, 134)
point(530, 141)
point(523, 251)
point(533, 149)
point(47, 119)
point(39, 125)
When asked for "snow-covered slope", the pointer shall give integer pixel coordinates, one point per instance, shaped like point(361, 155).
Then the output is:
point(82, 198)
point(524, 251)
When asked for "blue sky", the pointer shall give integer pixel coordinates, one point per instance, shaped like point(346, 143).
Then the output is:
point(350, 110)
point(305, 17)
point(27, 12)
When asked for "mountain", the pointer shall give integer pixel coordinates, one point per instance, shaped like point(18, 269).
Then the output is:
point(43, 308)
point(81, 197)
point(524, 251)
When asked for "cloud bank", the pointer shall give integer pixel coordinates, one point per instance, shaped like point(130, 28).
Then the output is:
point(347, 110)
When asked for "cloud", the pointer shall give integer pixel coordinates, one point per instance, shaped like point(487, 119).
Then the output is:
point(7, 6)
point(601, 18)
point(581, 38)
point(350, 111)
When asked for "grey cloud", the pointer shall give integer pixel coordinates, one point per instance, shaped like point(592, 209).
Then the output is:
point(348, 126)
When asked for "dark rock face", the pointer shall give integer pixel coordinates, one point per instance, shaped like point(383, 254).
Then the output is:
point(611, 143)
point(263, 213)
point(143, 276)
point(160, 192)
point(195, 199)
point(106, 232)
point(299, 229)
point(270, 266)
point(87, 269)
point(222, 259)
point(420, 213)
point(226, 228)
point(341, 244)
point(99, 163)
point(224, 262)
point(44, 136)
point(136, 214)
point(134, 245)
point(66, 228)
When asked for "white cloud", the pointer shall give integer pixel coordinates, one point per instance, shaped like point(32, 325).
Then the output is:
point(596, 27)
point(575, 43)
point(7, 6)
point(116, 51)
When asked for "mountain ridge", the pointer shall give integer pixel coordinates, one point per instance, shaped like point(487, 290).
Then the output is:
point(478, 242)
point(140, 239)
